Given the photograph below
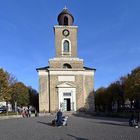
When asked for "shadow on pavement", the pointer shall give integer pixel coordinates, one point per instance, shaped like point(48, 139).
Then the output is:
point(77, 138)
point(49, 124)
point(84, 115)
point(111, 123)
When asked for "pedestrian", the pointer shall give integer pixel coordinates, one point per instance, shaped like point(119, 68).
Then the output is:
point(59, 118)
point(35, 113)
point(131, 120)
point(137, 120)
point(23, 113)
point(29, 111)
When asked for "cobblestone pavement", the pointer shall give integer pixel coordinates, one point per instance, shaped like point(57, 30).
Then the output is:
point(79, 128)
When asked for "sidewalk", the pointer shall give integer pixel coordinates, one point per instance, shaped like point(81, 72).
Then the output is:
point(20, 116)
point(10, 117)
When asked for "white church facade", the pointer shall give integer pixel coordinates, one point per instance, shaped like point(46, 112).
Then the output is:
point(66, 83)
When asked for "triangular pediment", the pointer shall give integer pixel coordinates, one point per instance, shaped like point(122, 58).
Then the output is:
point(65, 85)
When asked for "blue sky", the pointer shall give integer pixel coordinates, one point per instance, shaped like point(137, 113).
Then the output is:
point(108, 36)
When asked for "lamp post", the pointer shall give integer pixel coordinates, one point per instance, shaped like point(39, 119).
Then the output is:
point(15, 106)
point(15, 102)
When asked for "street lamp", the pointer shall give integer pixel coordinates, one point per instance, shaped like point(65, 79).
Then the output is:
point(15, 102)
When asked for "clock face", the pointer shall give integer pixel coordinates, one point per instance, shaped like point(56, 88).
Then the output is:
point(65, 32)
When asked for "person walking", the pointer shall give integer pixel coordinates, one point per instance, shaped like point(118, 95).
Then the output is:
point(59, 118)
point(131, 120)
point(29, 111)
point(137, 120)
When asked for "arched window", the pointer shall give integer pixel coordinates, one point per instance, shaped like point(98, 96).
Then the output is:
point(65, 20)
point(66, 46)
point(67, 66)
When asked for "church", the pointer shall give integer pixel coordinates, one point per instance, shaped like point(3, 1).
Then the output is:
point(66, 83)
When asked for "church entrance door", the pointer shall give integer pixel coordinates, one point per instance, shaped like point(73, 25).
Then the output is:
point(67, 104)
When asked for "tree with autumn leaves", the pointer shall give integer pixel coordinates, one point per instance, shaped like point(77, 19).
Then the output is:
point(126, 88)
point(20, 94)
point(15, 92)
point(132, 87)
point(5, 89)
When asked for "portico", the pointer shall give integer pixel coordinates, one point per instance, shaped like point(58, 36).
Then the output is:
point(67, 97)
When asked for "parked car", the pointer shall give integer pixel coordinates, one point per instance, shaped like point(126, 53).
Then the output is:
point(3, 109)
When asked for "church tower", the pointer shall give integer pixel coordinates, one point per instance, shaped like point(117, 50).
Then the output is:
point(66, 84)
point(65, 35)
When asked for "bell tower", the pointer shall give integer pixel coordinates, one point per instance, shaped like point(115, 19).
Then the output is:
point(65, 35)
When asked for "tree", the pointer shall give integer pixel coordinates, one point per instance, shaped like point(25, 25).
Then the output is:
point(112, 96)
point(33, 97)
point(127, 87)
point(20, 94)
point(11, 79)
point(116, 92)
point(16, 92)
point(4, 88)
point(132, 85)
point(100, 99)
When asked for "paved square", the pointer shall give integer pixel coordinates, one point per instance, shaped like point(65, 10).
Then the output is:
point(79, 128)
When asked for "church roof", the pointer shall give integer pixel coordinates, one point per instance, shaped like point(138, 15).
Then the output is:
point(87, 68)
point(65, 11)
point(47, 67)
point(42, 68)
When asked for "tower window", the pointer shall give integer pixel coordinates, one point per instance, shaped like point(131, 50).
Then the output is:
point(66, 46)
point(65, 20)
point(67, 66)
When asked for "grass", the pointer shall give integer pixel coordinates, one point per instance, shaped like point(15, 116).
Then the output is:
point(8, 114)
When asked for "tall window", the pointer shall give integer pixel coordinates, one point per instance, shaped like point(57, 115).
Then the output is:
point(66, 46)
point(65, 20)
